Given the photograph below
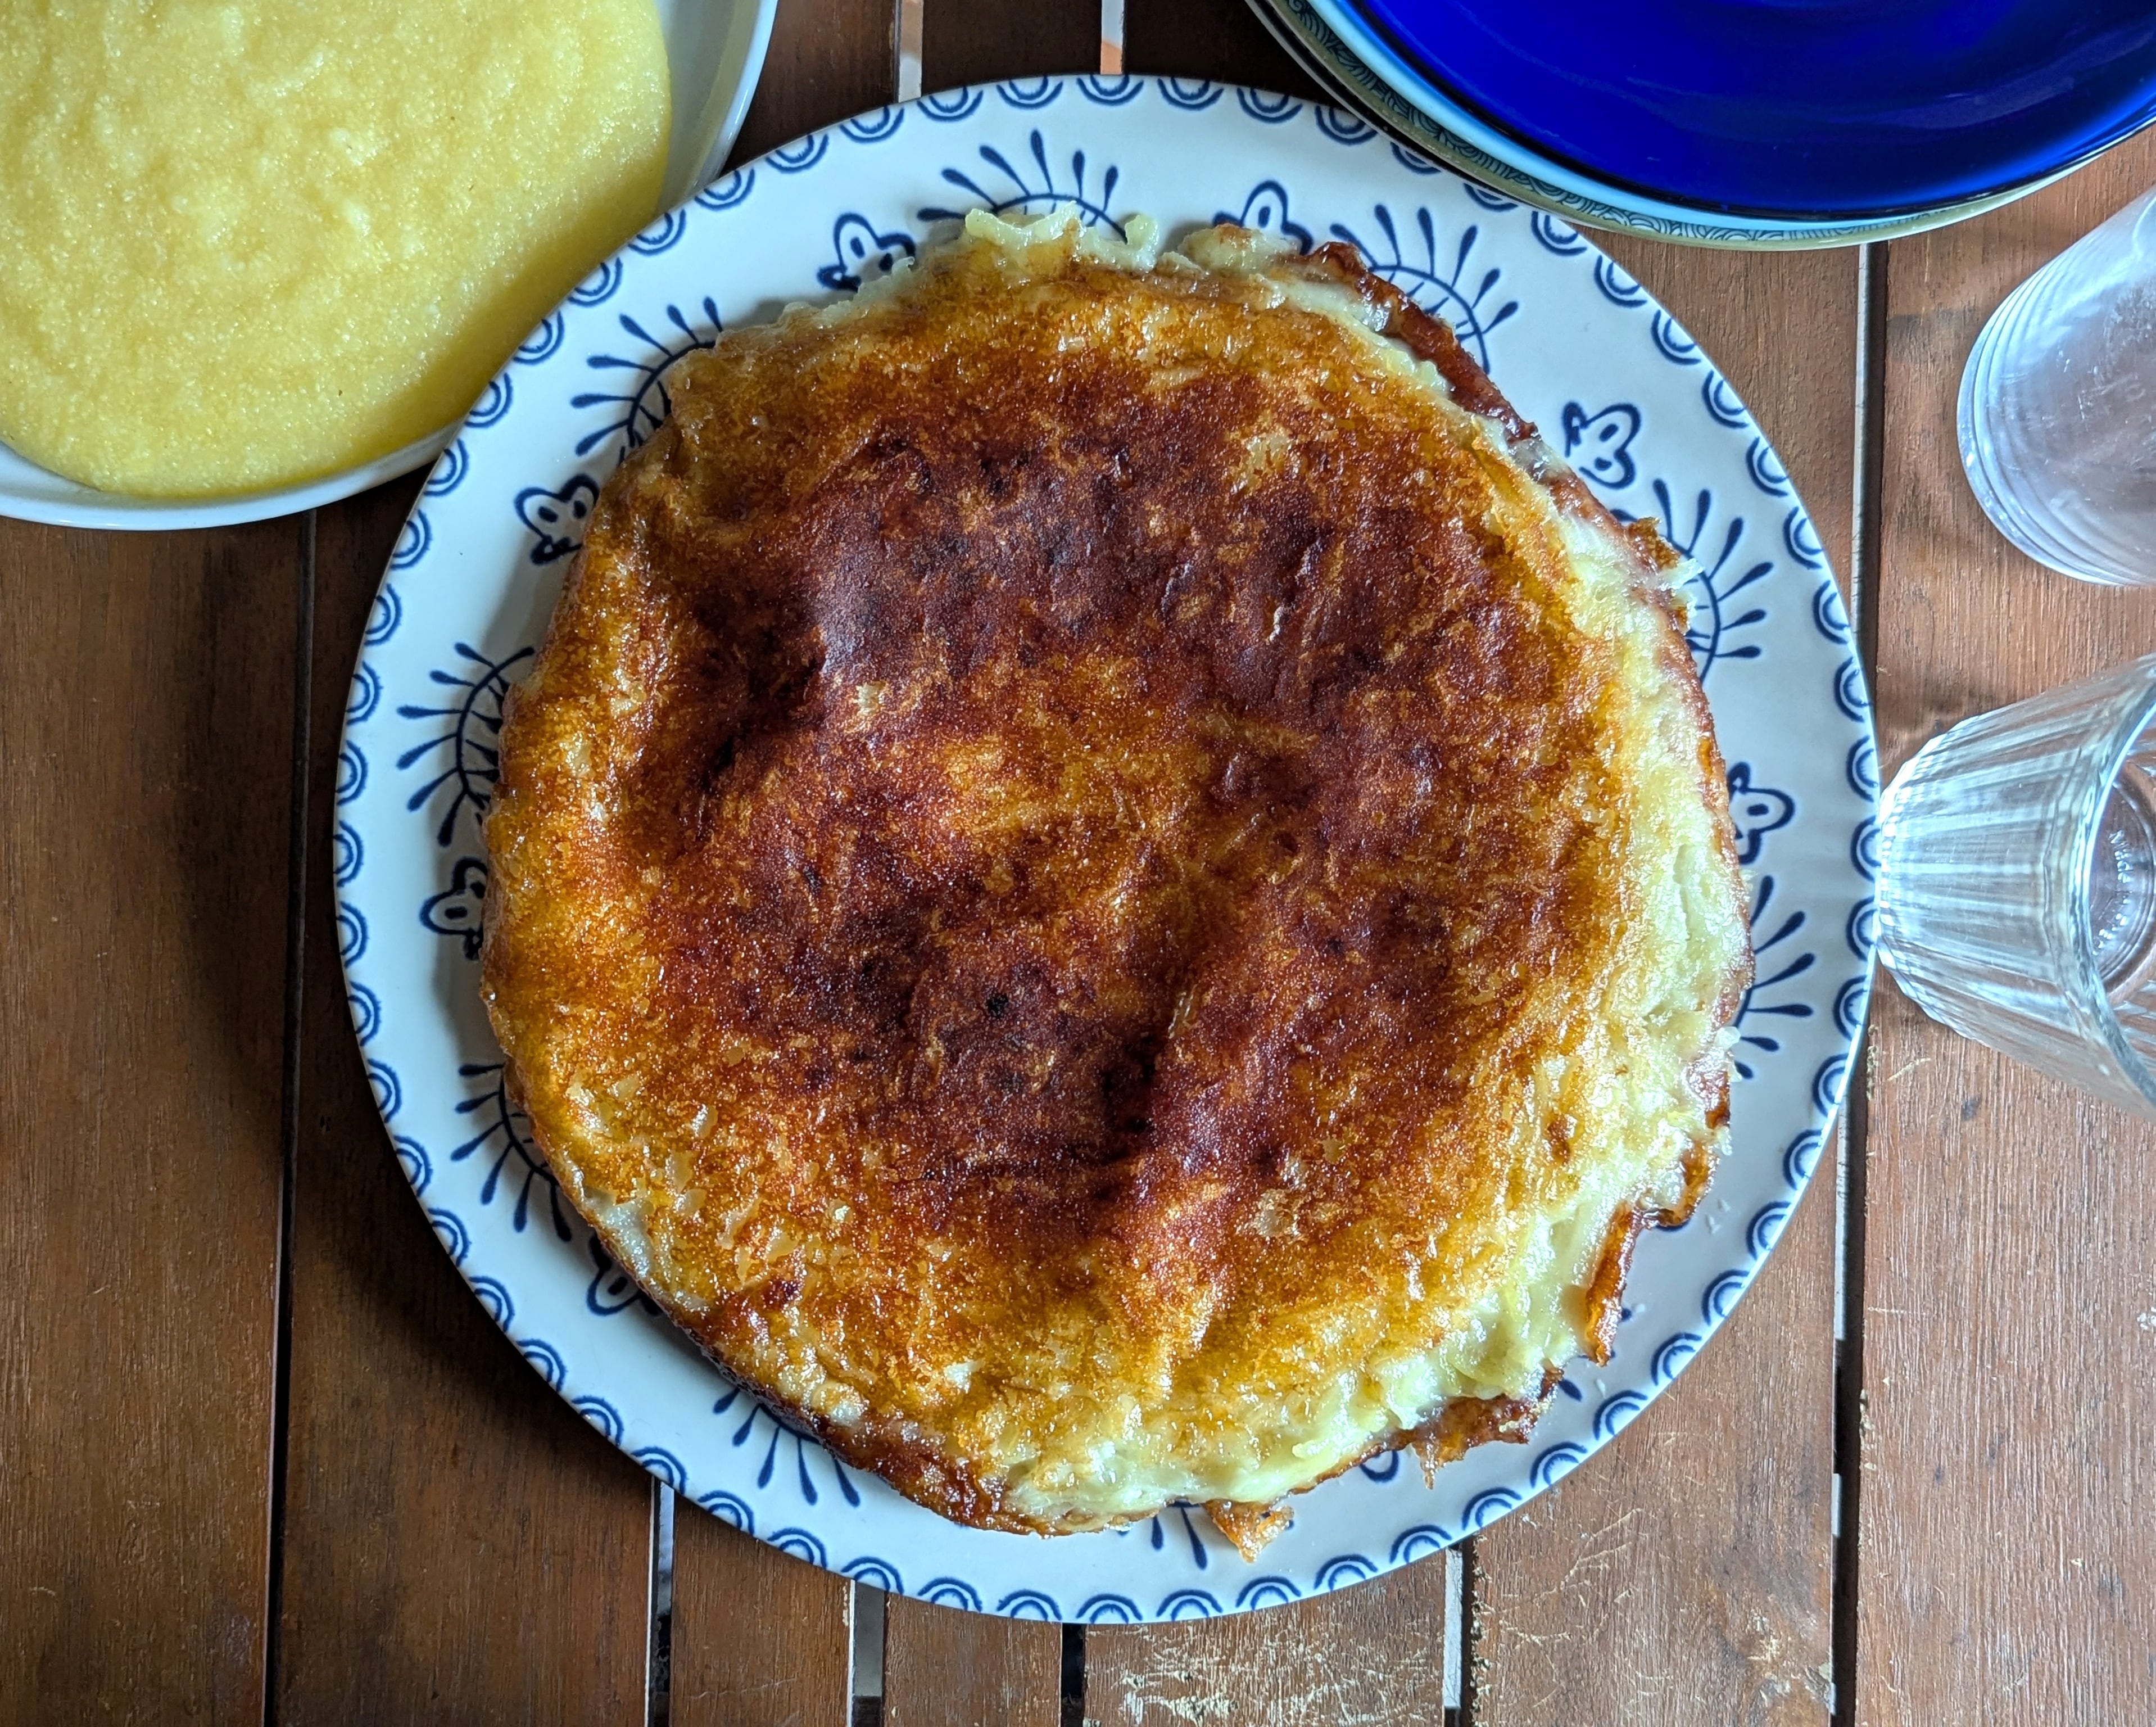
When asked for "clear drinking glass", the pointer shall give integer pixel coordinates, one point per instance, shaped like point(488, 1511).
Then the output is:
point(2017, 883)
point(2058, 406)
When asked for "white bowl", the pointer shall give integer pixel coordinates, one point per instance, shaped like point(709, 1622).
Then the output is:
point(714, 47)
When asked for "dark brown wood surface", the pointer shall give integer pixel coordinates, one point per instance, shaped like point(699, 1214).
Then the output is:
point(146, 779)
point(1683, 1574)
point(757, 1637)
point(1209, 38)
point(828, 59)
point(981, 41)
point(943, 1667)
point(2008, 1491)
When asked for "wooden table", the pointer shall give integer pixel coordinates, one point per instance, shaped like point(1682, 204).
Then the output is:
point(263, 1457)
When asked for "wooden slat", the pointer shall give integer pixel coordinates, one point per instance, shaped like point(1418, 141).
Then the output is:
point(1681, 1575)
point(758, 1637)
point(979, 41)
point(145, 768)
point(1376, 1653)
point(946, 1667)
point(459, 1545)
point(2009, 1489)
point(1209, 39)
point(1370, 1655)
point(1684, 1574)
point(829, 59)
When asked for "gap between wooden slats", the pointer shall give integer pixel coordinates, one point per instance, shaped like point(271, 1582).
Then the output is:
point(1853, 1141)
point(296, 948)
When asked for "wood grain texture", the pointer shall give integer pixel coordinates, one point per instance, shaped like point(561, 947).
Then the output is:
point(1684, 1573)
point(459, 1544)
point(145, 768)
point(1373, 1656)
point(2008, 1487)
point(1681, 1575)
point(980, 41)
point(1221, 39)
point(829, 59)
point(760, 1638)
point(943, 1667)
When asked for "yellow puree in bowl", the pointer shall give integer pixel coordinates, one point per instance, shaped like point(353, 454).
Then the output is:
point(246, 243)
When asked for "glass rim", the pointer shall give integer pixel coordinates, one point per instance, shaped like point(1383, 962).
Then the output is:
point(2137, 716)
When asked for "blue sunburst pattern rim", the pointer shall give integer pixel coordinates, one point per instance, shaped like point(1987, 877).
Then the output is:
point(1619, 389)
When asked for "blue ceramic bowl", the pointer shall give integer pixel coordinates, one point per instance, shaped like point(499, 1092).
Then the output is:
point(1803, 111)
point(1416, 113)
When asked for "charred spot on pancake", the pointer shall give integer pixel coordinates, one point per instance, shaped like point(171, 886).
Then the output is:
point(1111, 887)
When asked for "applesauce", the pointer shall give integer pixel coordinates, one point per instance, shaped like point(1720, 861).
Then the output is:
point(245, 245)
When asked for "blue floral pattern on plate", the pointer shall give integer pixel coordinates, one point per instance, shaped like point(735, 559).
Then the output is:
point(475, 576)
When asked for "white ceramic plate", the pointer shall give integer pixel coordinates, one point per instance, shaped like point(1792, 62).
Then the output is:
point(715, 53)
point(1577, 344)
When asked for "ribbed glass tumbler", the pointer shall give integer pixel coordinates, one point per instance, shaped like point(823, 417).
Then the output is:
point(2057, 416)
point(2017, 883)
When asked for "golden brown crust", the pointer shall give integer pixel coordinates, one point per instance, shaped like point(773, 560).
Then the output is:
point(1467, 1422)
point(1605, 1295)
point(1043, 860)
point(1251, 1528)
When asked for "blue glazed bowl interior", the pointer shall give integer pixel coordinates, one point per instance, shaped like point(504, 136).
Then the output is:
point(1823, 109)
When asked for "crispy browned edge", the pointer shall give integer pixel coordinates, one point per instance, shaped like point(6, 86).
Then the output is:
point(1462, 1423)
